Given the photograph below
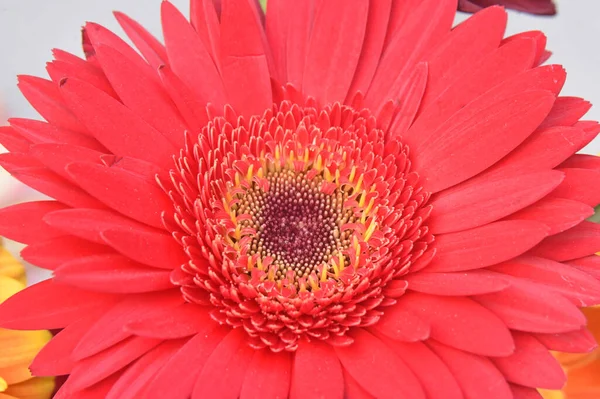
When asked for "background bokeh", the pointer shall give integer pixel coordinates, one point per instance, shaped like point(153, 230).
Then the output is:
point(29, 29)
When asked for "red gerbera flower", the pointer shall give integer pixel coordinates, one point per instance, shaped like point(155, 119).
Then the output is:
point(542, 7)
point(351, 200)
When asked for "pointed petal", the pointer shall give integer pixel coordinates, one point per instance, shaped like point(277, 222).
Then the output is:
point(184, 367)
point(138, 375)
point(469, 283)
point(580, 241)
point(376, 30)
point(268, 375)
point(89, 371)
point(189, 58)
point(478, 136)
point(55, 306)
point(556, 213)
point(461, 323)
point(150, 248)
point(45, 97)
point(142, 95)
point(398, 323)
point(531, 365)
point(411, 94)
point(529, 307)
point(13, 220)
point(466, 206)
point(152, 50)
point(123, 191)
point(171, 322)
point(204, 19)
point(566, 112)
point(113, 274)
point(312, 361)
point(232, 354)
point(244, 64)
point(105, 117)
point(577, 187)
point(581, 288)
point(12, 140)
point(485, 246)
point(436, 379)
point(330, 69)
point(377, 370)
point(89, 223)
point(476, 375)
point(52, 253)
point(580, 341)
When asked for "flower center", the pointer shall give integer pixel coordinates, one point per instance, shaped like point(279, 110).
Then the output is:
point(299, 228)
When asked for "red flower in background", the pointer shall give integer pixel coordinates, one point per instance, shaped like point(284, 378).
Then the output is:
point(541, 7)
point(353, 200)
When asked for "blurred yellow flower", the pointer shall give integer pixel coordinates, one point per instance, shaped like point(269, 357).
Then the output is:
point(18, 348)
point(583, 370)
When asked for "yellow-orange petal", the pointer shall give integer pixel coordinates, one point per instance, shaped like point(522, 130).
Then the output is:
point(552, 394)
point(10, 266)
point(34, 388)
point(21, 346)
point(9, 287)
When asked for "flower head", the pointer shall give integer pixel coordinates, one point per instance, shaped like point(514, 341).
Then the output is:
point(542, 7)
point(323, 204)
point(18, 348)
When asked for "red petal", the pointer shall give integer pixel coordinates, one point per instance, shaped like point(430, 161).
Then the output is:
point(380, 372)
point(471, 205)
point(23, 222)
point(191, 108)
point(223, 374)
point(152, 50)
point(204, 19)
point(244, 66)
point(461, 323)
point(49, 305)
point(40, 132)
point(184, 367)
point(12, 140)
point(436, 379)
point(150, 248)
point(529, 307)
point(477, 137)
point(298, 24)
point(474, 282)
point(94, 369)
point(566, 112)
point(485, 246)
point(45, 97)
point(588, 264)
point(55, 357)
point(189, 58)
point(520, 392)
point(52, 253)
point(57, 156)
point(171, 322)
point(581, 288)
point(465, 46)
point(142, 95)
point(407, 46)
point(105, 117)
point(476, 375)
point(531, 365)
point(312, 361)
point(113, 274)
point(400, 324)
point(330, 68)
point(580, 241)
point(123, 191)
point(140, 374)
point(581, 341)
point(558, 214)
point(577, 187)
point(99, 35)
point(268, 375)
point(58, 70)
point(89, 223)
point(377, 23)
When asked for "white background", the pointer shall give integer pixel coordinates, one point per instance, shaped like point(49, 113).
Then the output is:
point(29, 29)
